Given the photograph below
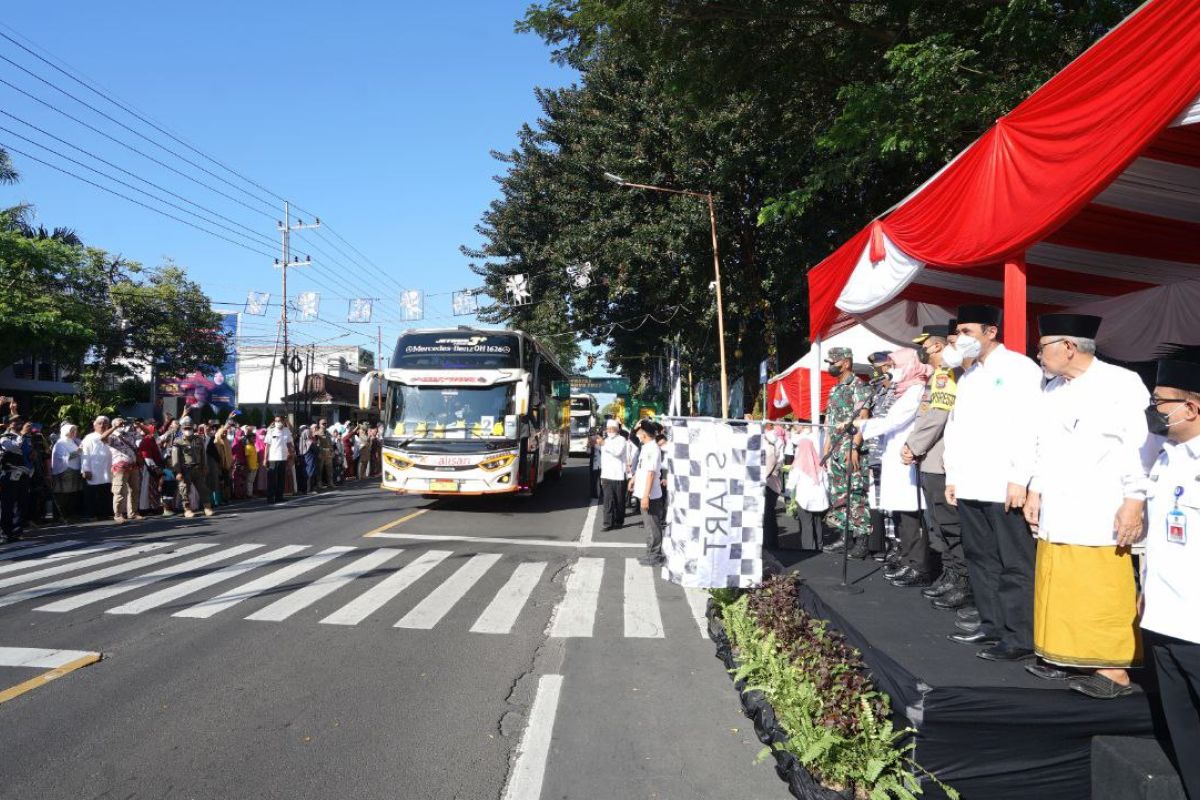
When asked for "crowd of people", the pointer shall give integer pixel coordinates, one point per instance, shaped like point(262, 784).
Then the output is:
point(1045, 503)
point(628, 469)
point(131, 469)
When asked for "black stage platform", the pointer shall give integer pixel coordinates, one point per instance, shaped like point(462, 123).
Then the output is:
point(988, 729)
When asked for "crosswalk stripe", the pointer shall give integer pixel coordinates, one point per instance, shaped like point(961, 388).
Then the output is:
point(30, 549)
point(374, 598)
point(642, 617)
point(53, 557)
point(91, 577)
point(284, 607)
point(698, 602)
point(137, 582)
point(501, 614)
point(438, 603)
point(576, 614)
point(222, 573)
point(214, 605)
point(122, 550)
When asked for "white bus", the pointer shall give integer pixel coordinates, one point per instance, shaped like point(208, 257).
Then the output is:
point(471, 412)
point(583, 420)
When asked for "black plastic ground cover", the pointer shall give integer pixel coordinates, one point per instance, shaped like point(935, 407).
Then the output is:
point(800, 782)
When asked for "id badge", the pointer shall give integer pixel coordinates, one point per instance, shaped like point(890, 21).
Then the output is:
point(1177, 527)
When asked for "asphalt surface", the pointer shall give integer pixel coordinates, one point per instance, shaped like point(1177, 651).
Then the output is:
point(356, 673)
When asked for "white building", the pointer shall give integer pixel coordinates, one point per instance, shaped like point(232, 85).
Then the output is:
point(262, 380)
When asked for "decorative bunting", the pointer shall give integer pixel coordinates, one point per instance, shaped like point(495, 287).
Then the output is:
point(517, 288)
point(360, 309)
point(412, 304)
point(464, 302)
point(256, 303)
point(308, 306)
point(580, 274)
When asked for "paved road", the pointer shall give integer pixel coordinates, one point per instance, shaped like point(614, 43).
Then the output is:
point(359, 645)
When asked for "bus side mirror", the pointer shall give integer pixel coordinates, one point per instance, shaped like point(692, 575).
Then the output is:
point(368, 388)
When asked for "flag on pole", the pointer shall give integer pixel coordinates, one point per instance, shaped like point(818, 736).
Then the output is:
point(256, 303)
point(360, 309)
point(464, 303)
point(517, 288)
point(412, 304)
point(308, 306)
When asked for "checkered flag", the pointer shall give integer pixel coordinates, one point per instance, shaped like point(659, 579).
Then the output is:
point(715, 503)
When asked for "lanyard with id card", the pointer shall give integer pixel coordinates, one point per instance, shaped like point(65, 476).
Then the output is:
point(1177, 521)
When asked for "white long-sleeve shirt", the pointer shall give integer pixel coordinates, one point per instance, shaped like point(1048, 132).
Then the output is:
point(96, 459)
point(1093, 451)
point(65, 455)
point(897, 481)
point(991, 435)
point(613, 458)
point(1173, 553)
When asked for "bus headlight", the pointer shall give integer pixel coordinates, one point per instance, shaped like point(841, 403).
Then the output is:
point(397, 462)
point(497, 462)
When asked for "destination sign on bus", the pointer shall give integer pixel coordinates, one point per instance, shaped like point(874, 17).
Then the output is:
point(452, 350)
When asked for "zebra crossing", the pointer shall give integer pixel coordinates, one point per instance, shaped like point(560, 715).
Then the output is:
point(344, 585)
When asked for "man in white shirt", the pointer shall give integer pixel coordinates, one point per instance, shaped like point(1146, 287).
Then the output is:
point(95, 459)
point(613, 476)
point(989, 457)
point(647, 488)
point(279, 445)
point(1086, 501)
point(1171, 588)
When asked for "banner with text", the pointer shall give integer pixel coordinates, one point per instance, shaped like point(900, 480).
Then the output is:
point(715, 503)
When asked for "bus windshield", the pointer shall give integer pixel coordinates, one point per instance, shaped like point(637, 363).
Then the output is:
point(434, 412)
point(580, 425)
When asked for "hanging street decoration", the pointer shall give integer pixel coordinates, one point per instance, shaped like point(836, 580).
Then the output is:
point(580, 274)
point(464, 303)
point(256, 303)
point(360, 309)
point(308, 306)
point(412, 304)
point(517, 287)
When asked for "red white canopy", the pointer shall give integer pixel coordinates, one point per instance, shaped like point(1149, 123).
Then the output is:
point(1089, 189)
point(790, 392)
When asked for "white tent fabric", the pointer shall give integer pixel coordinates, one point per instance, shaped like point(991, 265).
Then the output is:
point(861, 340)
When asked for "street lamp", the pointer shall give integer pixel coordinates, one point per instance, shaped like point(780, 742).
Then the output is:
point(712, 219)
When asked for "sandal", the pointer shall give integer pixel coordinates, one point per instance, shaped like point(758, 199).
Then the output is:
point(1099, 687)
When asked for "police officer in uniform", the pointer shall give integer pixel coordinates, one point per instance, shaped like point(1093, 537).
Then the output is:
point(925, 446)
point(1171, 588)
point(190, 463)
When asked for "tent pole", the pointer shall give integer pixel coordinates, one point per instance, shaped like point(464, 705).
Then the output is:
point(1016, 330)
point(814, 392)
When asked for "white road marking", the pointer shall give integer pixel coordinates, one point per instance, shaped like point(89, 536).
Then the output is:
point(105, 592)
point(576, 614)
point(38, 658)
point(101, 574)
point(374, 598)
point(50, 559)
point(438, 603)
point(164, 596)
point(430, 537)
point(698, 600)
point(501, 614)
point(529, 771)
point(589, 525)
point(29, 549)
point(123, 550)
point(304, 597)
point(642, 618)
point(225, 600)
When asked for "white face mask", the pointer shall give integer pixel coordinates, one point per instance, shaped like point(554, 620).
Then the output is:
point(969, 346)
point(951, 357)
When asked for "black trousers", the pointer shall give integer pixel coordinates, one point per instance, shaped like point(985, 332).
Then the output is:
point(593, 482)
point(811, 530)
point(612, 494)
point(97, 500)
point(652, 521)
point(945, 535)
point(276, 480)
point(14, 497)
point(770, 518)
point(1177, 664)
point(914, 545)
point(999, 552)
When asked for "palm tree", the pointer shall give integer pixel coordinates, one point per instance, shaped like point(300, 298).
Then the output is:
point(8, 173)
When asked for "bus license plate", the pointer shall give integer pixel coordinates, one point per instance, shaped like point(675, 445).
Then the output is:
point(443, 486)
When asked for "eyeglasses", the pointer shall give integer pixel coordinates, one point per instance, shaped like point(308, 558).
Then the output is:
point(1162, 401)
point(1042, 347)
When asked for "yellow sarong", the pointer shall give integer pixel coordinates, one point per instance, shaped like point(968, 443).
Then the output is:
point(1085, 607)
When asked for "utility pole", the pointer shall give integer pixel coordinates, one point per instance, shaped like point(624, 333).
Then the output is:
point(285, 231)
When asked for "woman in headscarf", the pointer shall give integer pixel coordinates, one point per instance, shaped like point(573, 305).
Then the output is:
point(260, 447)
point(150, 491)
point(898, 488)
point(66, 474)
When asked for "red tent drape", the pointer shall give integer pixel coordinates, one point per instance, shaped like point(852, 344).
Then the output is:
point(794, 386)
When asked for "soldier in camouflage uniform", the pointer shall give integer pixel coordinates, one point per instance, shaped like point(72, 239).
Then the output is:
point(847, 464)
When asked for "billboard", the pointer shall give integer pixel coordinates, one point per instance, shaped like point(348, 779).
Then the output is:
point(205, 396)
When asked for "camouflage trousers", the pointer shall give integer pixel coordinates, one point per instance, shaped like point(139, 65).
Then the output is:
point(840, 475)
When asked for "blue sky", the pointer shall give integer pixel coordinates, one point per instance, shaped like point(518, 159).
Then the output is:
point(379, 117)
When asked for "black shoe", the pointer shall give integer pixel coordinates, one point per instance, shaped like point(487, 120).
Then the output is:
point(942, 585)
point(894, 575)
point(914, 580)
point(968, 613)
point(1003, 652)
point(953, 599)
point(1048, 672)
point(606, 528)
point(977, 638)
point(1099, 687)
point(967, 627)
point(835, 547)
point(893, 570)
point(652, 561)
point(859, 550)
point(881, 556)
